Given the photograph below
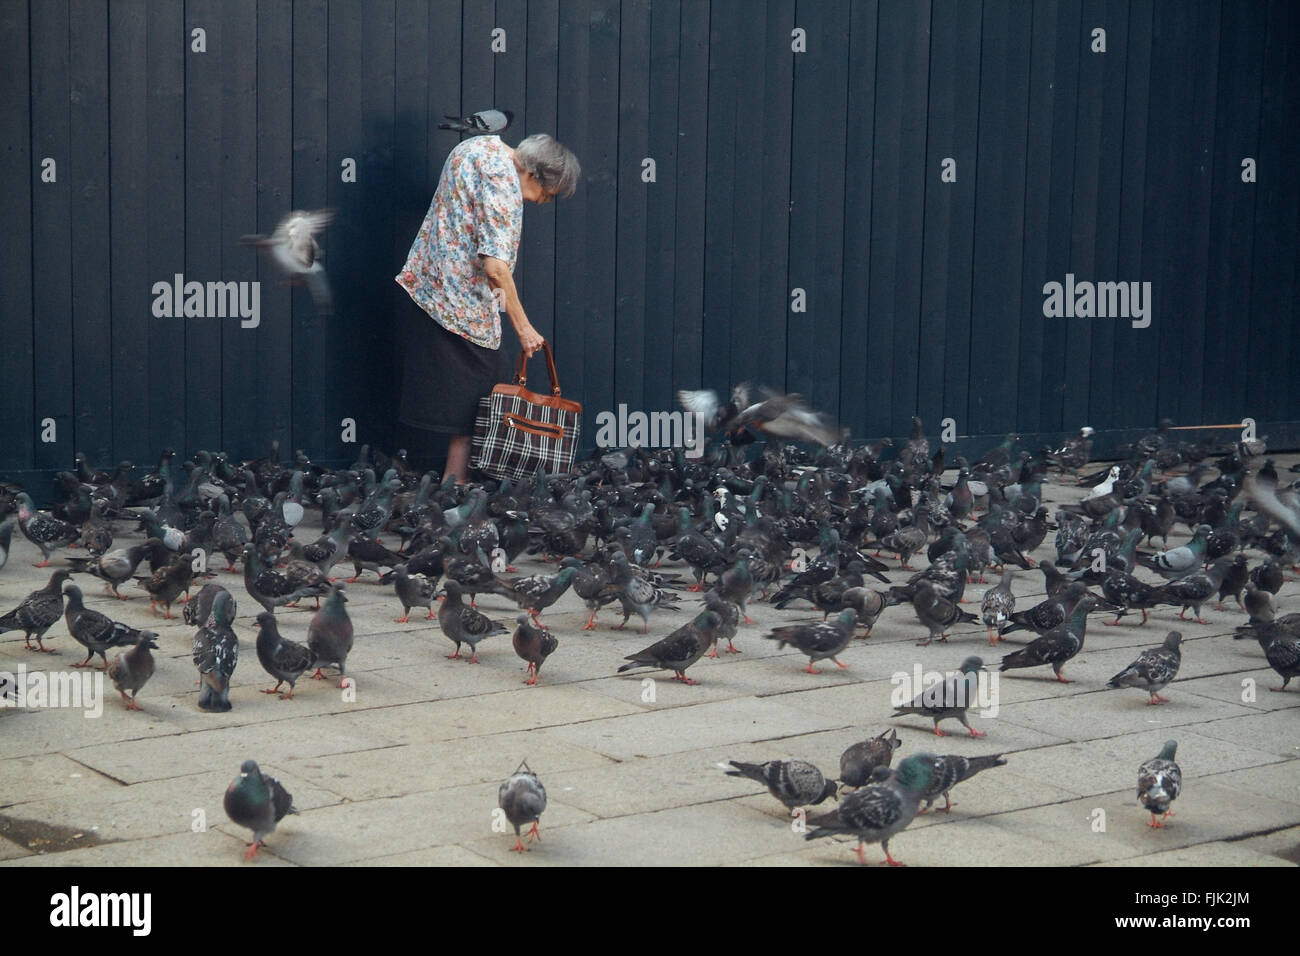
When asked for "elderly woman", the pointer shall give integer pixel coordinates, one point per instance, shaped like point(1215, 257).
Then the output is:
point(459, 271)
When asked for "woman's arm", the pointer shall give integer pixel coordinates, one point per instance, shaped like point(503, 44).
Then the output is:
point(499, 277)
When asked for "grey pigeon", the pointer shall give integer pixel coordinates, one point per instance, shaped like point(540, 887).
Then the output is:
point(216, 652)
point(294, 249)
point(329, 636)
point(1154, 668)
point(1177, 562)
point(283, 659)
point(680, 649)
point(998, 606)
point(1278, 640)
point(796, 783)
point(45, 532)
point(1056, 646)
point(1193, 590)
point(950, 770)
point(1160, 780)
point(132, 668)
point(867, 603)
point(484, 121)
point(533, 643)
point(937, 613)
point(412, 591)
point(257, 801)
point(464, 625)
point(115, 567)
point(94, 631)
point(523, 798)
point(860, 761)
point(729, 614)
point(877, 812)
point(37, 612)
point(951, 697)
point(818, 641)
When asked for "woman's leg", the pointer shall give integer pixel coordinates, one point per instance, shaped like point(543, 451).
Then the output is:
point(458, 457)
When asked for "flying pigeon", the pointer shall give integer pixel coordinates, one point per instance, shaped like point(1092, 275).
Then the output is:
point(1159, 782)
point(796, 783)
point(1154, 668)
point(877, 812)
point(523, 798)
point(294, 249)
point(257, 801)
point(484, 121)
point(132, 668)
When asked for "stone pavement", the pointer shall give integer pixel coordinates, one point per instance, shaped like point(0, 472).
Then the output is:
point(407, 772)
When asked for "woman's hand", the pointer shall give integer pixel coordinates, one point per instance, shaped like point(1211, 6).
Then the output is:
point(529, 340)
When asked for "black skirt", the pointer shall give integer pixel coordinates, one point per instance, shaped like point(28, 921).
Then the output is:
point(445, 375)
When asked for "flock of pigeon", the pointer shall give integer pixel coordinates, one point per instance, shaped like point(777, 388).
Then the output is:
point(639, 530)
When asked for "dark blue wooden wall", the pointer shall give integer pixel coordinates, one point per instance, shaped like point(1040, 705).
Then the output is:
point(775, 170)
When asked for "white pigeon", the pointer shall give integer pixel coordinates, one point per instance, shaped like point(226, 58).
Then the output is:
point(294, 249)
point(1106, 487)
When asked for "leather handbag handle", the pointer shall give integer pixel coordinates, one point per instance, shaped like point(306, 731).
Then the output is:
point(521, 377)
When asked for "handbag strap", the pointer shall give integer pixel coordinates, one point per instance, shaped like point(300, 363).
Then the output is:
point(521, 369)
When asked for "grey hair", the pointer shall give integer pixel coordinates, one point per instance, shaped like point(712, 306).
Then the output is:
point(555, 167)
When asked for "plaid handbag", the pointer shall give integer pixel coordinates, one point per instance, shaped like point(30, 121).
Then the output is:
point(516, 430)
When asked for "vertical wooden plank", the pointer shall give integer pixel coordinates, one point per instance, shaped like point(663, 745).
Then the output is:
point(478, 62)
point(818, 160)
point(537, 248)
point(91, 255)
point(52, 387)
point(692, 155)
point(445, 42)
point(1183, 78)
point(20, 168)
point(665, 21)
point(1070, 44)
point(1271, 390)
point(944, 349)
point(130, 194)
point(243, 394)
point(1134, 399)
point(759, 332)
point(632, 365)
point(313, 168)
point(571, 215)
point(859, 354)
point(168, 45)
point(1045, 99)
point(203, 233)
point(1232, 213)
point(726, 17)
point(602, 203)
point(999, 218)
point(271, 365)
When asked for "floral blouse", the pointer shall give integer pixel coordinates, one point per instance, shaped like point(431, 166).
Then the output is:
point(477, 211)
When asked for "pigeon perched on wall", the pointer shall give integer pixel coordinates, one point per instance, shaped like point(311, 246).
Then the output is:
point(484, 121)
point(257, 801)
point(294, 249)
point(1160, 780)
point(876, 813)
point(796, 783)
point(1154, 668)
point(523, 798)
point(132, 668)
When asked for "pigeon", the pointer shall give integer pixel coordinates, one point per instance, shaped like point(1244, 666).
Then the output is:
point(1154, 668)
point(1057, 646)
point(860, 761)
point(329, 636)
point(283, 659)
point(775, 415)
point(167, 583)
point(818, 641)
point(132, 668)
point(94, 631)
point(1159, 782)
point(114, 567)
point(1259, 604)
point(464, 625)
point(951, 769)
point(536, 593)
point(294, 249)
point(938, 613)
point(257, 801)
point(867, 603)
point(997, 607)
point(216, 652)
point(680, 649)
point(533, 643)
point(1193, 590)
point(45, 532)
point(729, 614)
point(1280, 645)
point(951, 697)
point(484, 121)
point(637, 592)
point(876, 813)
point(271, 588)
point(523, 798)
point(37, 612)
point(1177, 562)
point(414, 591)
point(796, 783)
